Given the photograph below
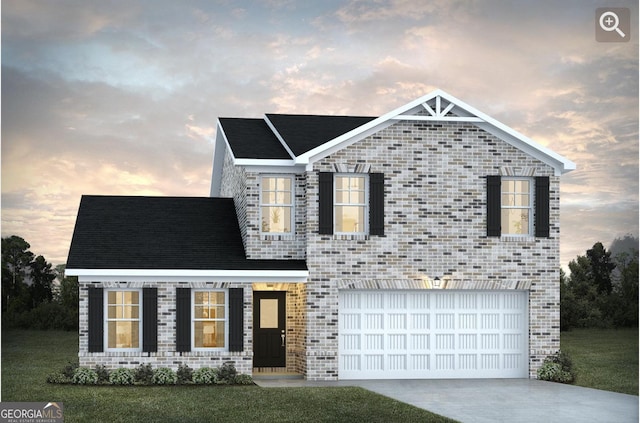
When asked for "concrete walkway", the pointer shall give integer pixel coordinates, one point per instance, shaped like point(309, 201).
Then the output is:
point(496, 400)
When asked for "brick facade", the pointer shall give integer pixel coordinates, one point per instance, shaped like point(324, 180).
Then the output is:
point(435, 226)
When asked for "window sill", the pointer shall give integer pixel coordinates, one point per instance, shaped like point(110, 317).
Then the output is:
point(351, 237)
point(277, 237)
point(517, 238)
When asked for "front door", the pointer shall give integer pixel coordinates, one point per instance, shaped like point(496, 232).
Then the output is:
point(269, 331)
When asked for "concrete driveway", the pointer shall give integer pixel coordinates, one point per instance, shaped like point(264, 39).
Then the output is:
point(497, 400)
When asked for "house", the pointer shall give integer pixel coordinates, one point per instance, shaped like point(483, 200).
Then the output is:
point(423, 243)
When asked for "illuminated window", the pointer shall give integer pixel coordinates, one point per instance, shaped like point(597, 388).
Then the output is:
point(123, 319)
point(517, 212)
point(276, 204)
point(350, 203)
point(209, 319)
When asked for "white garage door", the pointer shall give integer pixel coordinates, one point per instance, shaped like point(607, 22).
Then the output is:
point(433, 334)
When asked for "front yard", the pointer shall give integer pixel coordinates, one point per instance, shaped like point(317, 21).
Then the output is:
point(29, 356)
point(604, 358)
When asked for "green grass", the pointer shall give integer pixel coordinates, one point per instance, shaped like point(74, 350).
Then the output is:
point(29, 356)
point(604, 358)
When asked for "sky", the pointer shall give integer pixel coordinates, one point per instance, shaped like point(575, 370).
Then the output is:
point(122, 97)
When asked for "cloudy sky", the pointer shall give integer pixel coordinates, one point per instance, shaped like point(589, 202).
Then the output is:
point(121, 97)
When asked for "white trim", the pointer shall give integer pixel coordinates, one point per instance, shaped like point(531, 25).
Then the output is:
point(439, 119)
point(226, 321)
point(531, 208)
point(264, 162)
point(278, 136)
point(219, 149)
point(105, 319)
point(291, 205)
point(365, 205)
point(177, 275)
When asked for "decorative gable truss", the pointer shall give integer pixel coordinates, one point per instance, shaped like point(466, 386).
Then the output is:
point(437, 106)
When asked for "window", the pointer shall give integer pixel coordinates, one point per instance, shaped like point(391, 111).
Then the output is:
point(276, 204)
point(209, 319)
point(350, 203)
point(516, 206)
point(123, 320)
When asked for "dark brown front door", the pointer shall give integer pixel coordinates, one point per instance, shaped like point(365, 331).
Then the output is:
point(269, 331)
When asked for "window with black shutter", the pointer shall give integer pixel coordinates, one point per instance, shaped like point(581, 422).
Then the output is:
point(493, 206)
point(236, 319)
point(183, 319)
point(96, 320)
point(376, 204)
point(542, 206)
point(150, 319)
point(325, 203)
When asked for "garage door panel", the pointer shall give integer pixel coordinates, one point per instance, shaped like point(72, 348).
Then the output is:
point(433, 334)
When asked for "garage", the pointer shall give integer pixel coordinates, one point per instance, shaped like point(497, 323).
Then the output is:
point(433, 334)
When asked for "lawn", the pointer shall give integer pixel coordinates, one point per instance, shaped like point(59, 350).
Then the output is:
point(604, 359)
point(29, 356)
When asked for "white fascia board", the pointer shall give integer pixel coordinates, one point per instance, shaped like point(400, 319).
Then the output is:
point(278, 136)
point(219, 148)
point(262, 168)
point(177, 275)
point(560, 163)
point(264, 162)
point(359, 133)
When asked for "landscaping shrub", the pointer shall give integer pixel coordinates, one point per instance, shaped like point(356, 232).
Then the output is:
point(122, 377)
point(144, 374)
point(58, 378)
point(164, 376)
point(85, 376)
point(243, 380)
point(557, 368)
point(205, 376)
point(227, 374)
point(185, 374)
point(103, 373)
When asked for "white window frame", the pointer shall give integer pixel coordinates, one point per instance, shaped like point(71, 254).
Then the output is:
point(291, 205)
point(194, 320)
point(107, 320)
point(365, 205)
point(530, 208)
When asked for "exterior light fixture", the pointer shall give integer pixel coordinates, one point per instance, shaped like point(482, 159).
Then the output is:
point(436, 282)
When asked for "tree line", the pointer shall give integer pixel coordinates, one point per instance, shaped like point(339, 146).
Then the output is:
point(602, 289)
point(34, 294)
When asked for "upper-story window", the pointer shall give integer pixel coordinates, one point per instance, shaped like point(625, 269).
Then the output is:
point(351, 203)
point(276, 204)
point(517, 206)
point(123, 320)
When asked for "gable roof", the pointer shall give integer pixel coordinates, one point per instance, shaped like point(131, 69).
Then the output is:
point(308, 138)
point(178, 233)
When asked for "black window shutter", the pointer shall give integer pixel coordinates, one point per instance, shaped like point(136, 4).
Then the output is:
point(236, 319)
point(183, 319)
point(376, 203)
point(494, 213)
point(149, 319)
point(96, 320)
point(542, 206)
point(325, 206)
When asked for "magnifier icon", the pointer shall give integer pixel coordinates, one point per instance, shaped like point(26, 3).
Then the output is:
point(609, 21)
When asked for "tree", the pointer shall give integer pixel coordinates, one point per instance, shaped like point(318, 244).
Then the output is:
point(16, 259)
point(42, 277)
point(601, 267)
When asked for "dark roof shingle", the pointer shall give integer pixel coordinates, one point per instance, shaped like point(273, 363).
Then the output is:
point(252, 139)
point(306, 132)
point(118, 232)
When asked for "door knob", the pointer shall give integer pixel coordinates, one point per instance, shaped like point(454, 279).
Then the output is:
point(282, 336)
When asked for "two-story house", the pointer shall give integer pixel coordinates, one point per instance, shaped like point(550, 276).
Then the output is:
point(423, 243)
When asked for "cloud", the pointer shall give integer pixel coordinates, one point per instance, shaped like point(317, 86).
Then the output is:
point(123, 99)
